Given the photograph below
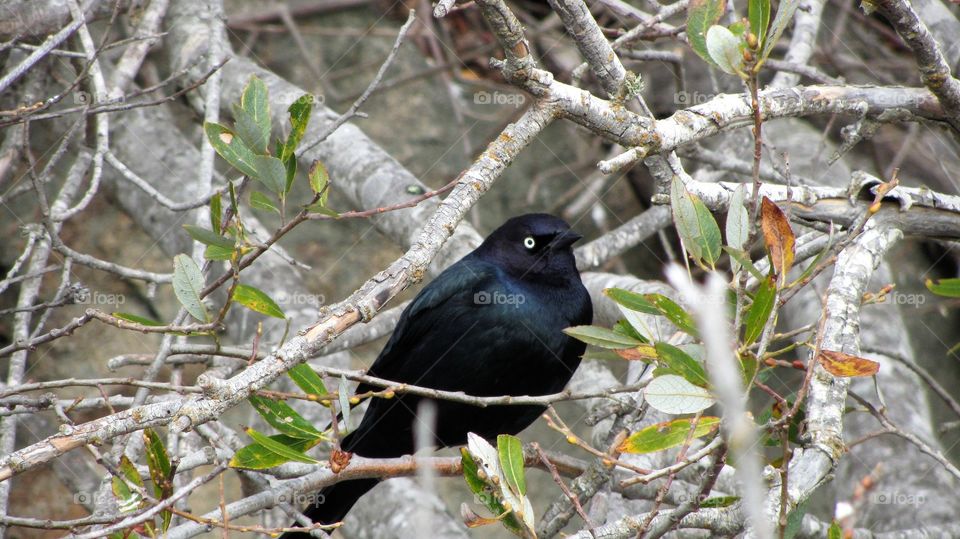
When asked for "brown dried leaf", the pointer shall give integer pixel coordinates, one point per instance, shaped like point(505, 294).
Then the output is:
point(845, 365)
point(777, 235)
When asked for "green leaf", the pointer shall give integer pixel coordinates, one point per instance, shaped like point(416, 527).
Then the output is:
point(157, 460)
point(485, 493)
point(250, 131)
point(234, 207)
point(284, 418)
point(257, 300)
point(255, 103)
point(231, 148)
point(666, 435)
point(319, 208)
point(679, 362)
point(944, 287)
point(602, 337)
point(759, 312)
point(748, 368)
point(674, 313)
point(127, 500)
point(672, 394)
point(257, 457)
point(795, 517)
point(835, 531)
point(701, 15)
point(784, 13)
point(738, 28)
point(216, 213)
point(738, 224)
point(695, 224)
point(759, 14)
point(631, 300)
point(161, 473)
point(470, 472)
point(129, 471)
point(290, 164)
point(307, 380)
point(717, 502)
point(487, 460)
point(271, 172)
point(724, 48)
point(187, 285)
point(208, 237)
point(635, 309)
point(279, 448)
point(137, 319)
point(604, 354)
point(510, 449)
point(299, 112)
point(624, 327)
point(260, 201)
point(216, 252)
point(319, 180)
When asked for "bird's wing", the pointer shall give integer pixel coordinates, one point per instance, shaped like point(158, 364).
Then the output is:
point(451, 292)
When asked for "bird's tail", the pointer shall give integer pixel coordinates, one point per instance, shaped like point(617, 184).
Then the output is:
point(333, 503)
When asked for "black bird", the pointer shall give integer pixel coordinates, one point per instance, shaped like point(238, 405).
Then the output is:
point(489, 325)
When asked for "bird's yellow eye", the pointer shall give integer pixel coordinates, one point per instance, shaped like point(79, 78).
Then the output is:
point(529, 242)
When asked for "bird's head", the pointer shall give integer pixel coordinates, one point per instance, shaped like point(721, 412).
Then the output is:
point(535, 246)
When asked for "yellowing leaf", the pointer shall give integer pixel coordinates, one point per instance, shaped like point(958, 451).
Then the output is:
point(644, 352)
point(666, 435)
point(257, 300)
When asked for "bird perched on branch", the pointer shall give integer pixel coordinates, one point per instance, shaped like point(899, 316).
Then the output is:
point(489, 325)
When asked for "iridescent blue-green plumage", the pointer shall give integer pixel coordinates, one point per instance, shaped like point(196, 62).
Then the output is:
point(489, 325)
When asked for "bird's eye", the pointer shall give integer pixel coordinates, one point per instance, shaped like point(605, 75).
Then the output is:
point(529, 242)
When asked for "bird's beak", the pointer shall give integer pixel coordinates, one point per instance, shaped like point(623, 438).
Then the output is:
point(565, 240)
